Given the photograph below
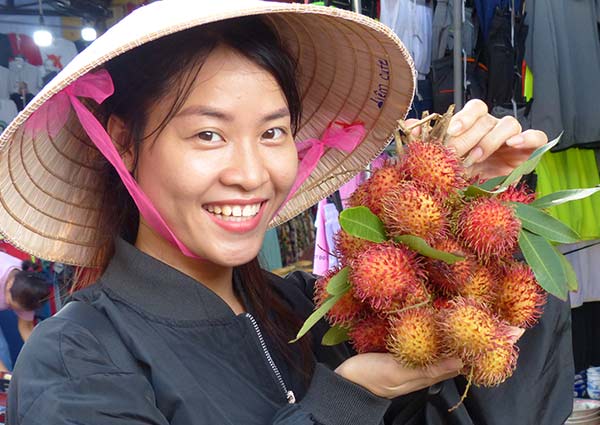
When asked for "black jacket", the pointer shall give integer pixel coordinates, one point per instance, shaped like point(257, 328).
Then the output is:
point(202, 364)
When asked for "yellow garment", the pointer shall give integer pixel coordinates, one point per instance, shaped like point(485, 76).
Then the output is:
point(573, 168)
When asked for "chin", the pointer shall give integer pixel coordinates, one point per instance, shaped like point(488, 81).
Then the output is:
point(234, 258)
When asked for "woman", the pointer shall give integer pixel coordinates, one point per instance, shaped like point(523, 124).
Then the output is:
point(204, 119)
point(23, 291)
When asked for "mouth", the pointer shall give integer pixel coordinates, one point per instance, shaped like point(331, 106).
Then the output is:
point(234, 212)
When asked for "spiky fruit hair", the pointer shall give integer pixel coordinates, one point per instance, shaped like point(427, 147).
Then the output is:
point(433, 165)
point(385, 273)
point(520, 299)
point(410, 209)
point(369, 334)
point(489, 227)
point(414, 338)
point(344, 312)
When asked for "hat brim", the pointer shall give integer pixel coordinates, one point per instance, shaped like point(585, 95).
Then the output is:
point(351, 68)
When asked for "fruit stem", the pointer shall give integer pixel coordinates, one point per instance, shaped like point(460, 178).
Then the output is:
point(464, 396)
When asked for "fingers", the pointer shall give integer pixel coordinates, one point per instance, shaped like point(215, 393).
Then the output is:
point(515, 333)
point(468, 139)
point(464, 120)
point(530, 139)
point(505, 129)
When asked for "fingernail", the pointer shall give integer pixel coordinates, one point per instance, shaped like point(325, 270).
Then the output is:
point(454, 128)
point(515, 141)
point(473, 157)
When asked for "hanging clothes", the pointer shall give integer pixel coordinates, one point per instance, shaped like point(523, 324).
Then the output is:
point(58, 54)
point(5, 50)
point(572, 169)
point(563, 52)
point(583, 256)
point(23, 45)
point(8, 111)
point(22, 71)
point(4, 82)
point(411, 20)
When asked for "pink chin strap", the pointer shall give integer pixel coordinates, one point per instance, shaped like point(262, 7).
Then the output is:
point(53, 114)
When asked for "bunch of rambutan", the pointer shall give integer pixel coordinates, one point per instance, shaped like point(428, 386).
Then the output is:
point(430, 265)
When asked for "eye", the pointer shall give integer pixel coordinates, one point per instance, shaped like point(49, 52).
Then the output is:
point(209, 136)
point(274, 133)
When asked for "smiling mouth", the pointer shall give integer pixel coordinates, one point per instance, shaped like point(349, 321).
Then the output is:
point(234, 212)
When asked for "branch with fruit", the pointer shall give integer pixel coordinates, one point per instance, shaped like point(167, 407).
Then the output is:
point(430, 264)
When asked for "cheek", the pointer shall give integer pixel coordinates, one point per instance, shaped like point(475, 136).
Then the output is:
point(284, 169)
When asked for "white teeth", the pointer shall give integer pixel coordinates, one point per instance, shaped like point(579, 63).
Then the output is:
point(248, 211)
point(234, 212)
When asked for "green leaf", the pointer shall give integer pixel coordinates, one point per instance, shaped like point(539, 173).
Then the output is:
point(316, 316)
point(563, 196)
point(492, 183)
point(572, 283)
point(362, 223)
point(543, 224)
point(418, 244)
point(545, 263)
point(335, 335)
point(338, 284)
point(476, 191)
point(529, 165)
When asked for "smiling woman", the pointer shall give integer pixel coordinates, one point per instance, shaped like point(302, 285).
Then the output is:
point(169, 147)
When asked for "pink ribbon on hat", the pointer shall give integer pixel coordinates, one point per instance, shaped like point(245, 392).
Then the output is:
point(53, 115)
point(338, 135)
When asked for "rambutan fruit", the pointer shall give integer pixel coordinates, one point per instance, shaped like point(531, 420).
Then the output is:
point(369, 334)
point(447, 278)
point(469, 328)
point(348, 247)
point(489, 227)
point(480, 286)
point(360, 196)
point(433, 165)
point(413, 337)
point(346, 311)
point(493, 367)
point(519, 193)
point(381, 182)
point(520, 299)
point(384, 274)
point(410, 209)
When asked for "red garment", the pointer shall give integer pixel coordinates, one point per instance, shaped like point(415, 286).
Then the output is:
point(24, 45)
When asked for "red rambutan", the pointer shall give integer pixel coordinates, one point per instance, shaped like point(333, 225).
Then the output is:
point(434, 166)
point(489, 227)
point(348, 247)
point(519, 193)
point(369, 334)
point(344, 312)
point(449, 278)
point(409, 209)
point(480, 285)
point(520, 299)
point(381, 182)
point(384, 274)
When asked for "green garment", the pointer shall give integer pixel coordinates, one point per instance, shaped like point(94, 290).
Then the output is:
point(572, 169)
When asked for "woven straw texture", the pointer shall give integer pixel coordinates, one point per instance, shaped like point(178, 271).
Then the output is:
point(350, 68)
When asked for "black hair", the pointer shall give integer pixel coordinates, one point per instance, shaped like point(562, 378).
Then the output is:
point(29, 289)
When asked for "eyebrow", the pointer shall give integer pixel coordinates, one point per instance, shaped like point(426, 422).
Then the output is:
point(223, 116)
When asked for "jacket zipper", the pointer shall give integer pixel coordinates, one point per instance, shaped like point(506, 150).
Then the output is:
point(289, 394)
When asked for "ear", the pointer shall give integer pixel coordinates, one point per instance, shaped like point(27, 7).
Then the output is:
point(119, 135)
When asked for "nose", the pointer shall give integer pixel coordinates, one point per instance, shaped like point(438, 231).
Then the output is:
point(247, 168)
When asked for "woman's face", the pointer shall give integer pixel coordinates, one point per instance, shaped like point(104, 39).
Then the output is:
point(225, 163)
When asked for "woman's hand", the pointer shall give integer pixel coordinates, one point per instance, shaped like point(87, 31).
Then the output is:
point(381, 374)
point(490, 146)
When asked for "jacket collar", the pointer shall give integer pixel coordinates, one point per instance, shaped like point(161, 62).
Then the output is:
point(159, 289)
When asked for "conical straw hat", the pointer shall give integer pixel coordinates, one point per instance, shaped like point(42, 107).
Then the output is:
point(351, 68)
